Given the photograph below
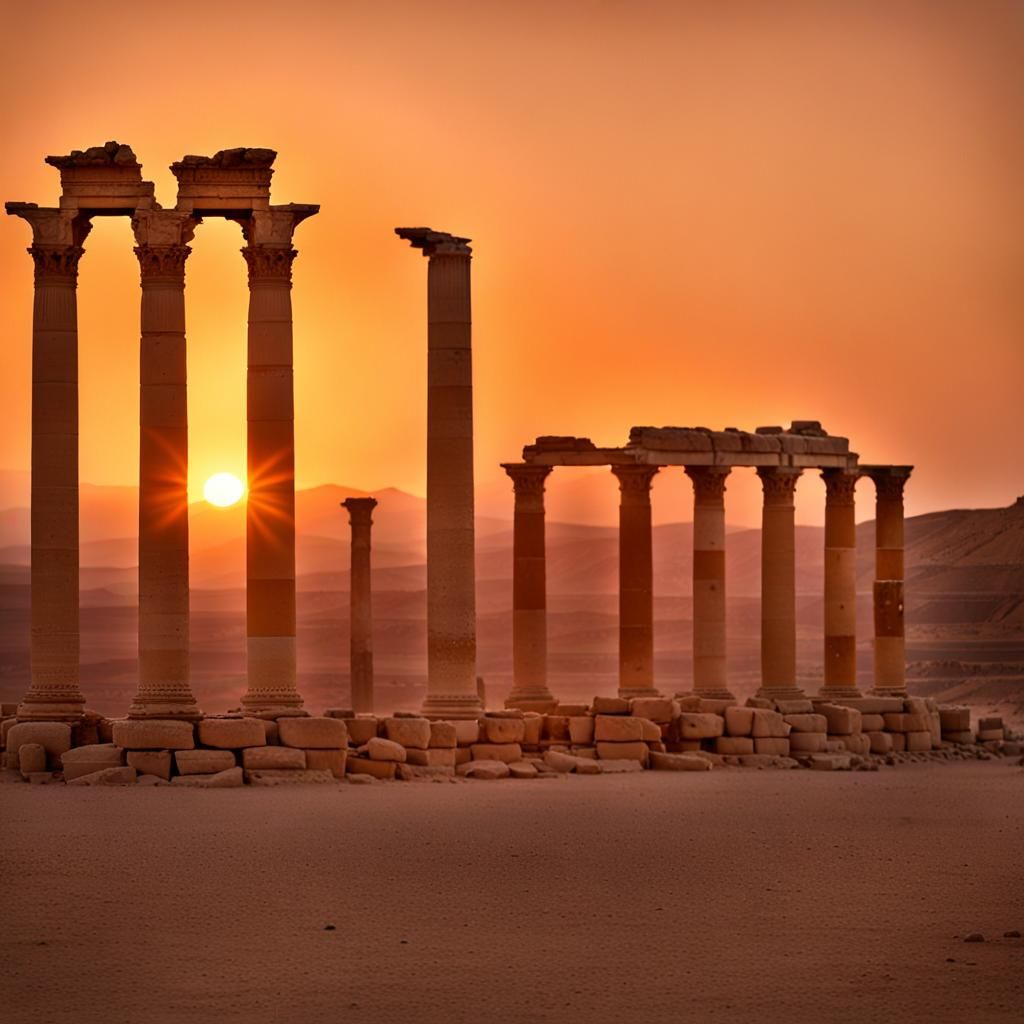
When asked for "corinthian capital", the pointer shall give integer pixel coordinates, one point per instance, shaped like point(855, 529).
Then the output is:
point(889, 481)
point(708, 482)
point(840, 485)
point(269, 264)
point(57, 237)
point(779, 483)
point(635, 482)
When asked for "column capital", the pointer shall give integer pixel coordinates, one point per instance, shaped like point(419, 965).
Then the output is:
point(889, 481)
point(55, 262)
point(268, 263)
point(779, 483)
point(840, 485)
point(708, 482)
point(527, 479)
point(435, 243)
point(635, 481)
point(52, 227)
point(360, 510)
point(162, 262)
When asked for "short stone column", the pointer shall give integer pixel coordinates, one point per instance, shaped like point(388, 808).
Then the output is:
point(360, 513)
point(778, 584)
point(636, 582)
point(54, 693)
point(529, 592)
point(709, 629)
point(164, 690)
point(890, 645)
point(840, 585)
point(270, 508)
point(451, 567)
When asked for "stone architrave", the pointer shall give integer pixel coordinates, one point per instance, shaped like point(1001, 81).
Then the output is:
point(890, 645)
point(840, 585)
point(270, 507)
point(451, 583)
point(778, 584)
point(57, 236)
point(636, 581)
point(360, 512)
point(709, 608)
point(529, 592)
point(164, 690)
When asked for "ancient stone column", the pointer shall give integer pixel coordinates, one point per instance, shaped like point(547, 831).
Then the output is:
point(529, 592)
point(636, 582)
point(360, 513)
point(54, 693)
point(270, 508)
point(451, 584)
point(890, 649)
point(840, 585)
point(709, 632)
point(164, 690)
point(778, 584)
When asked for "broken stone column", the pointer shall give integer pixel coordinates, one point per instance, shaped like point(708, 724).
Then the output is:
point(709, 629)
point(270, 508)
point(890, 650)
point(451, 583)
point(57, 236)
point(360, 513)
point(164, 690)
point(529, 592)
point(636, 582)
point(840, 585)
point(778, 584)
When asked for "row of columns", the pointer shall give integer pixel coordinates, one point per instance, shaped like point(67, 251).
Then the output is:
point(778, 583)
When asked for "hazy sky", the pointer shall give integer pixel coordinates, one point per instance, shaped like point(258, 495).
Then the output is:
point(714, 213)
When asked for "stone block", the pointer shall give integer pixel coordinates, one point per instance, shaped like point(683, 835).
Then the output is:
point(918, 741)
point(873, 705)
point(651, 732)
point(916, 706)
point(859, 743)
point(571, 710)
point(904, 722)
point(842, 721)
point(151, 762)
point(807, 742)
point(807, 723)
point(699, 726)
point(122, 775)
point(434, 757)
point(656, 709)
point(419, 773)
point(617, 767)
point(610, 706)
point(533, 729)
point(270, 777)
point(559, 761)
point(364, 766)
point(872, 723)
point(505, 752)
point(232, 733)
point(735, 745)
point(831, 762)
point(679, 763)
point(203, 762)
point(409, 732)
point(502, 730)
point(313, 733)
point(230, 778)
point(899, 742)
point(362, 730)
point(332, 761)
point(443, 735)
point(484, 770)
point(768, 725)
point(959, 737)
point(523, 770)
point(82, 761)
point(795, 707)
point(835, 745)
point(339, 713)
point(380, 749)
point(581, 729)
point(272, 733)
point(881, 742)
point(623, 751)
point(154, 734)
point(271, 758)
point(712, 706)
point(774, 745)
point(989, 735)
point(31, 758)
point(618, 729)
point(556, 727)
point(53, 737)
point(955, 719)
point(739, 721)
point(467, 731)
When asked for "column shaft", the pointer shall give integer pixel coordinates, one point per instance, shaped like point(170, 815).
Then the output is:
point(636, 582)
point(529, 592)
point(778, 584)
point(840, 585)
point(360, 603)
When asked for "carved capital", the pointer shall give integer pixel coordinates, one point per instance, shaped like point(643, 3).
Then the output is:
point(162, 262)
point(269, 264)
point(708, 482)
point(56, 261)
point(435, 243)
point(52, 227)
point(889, 481)
point(635, 482)
point(779, 483)
point(360, 510)
point(840, 485)
point(164, 227)
point(527, 481)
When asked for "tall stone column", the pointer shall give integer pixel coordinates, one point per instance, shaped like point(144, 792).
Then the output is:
point(840, 585)
point(890, 645)
point(636, 582)
point(164, 690)
point(360, 514)
point(270, 508)
point(709, 630)
point(529, 592)
point(451, 575)
point(778, 584)
point(54, 693)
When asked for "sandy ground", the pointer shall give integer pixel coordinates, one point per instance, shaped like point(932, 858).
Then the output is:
point(732, 896)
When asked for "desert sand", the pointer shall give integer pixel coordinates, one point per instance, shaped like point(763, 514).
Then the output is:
point(738, 895)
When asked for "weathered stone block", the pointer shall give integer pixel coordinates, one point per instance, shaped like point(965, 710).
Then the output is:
point(84, 761)
point(807, 723)
point(419, 773)
point(203, 762)
point(154, 734)
point(774, 745)
point(271, 777)
point(699, 726)
point(232, 733)
point(120, 776)
point(409, 732)
point(151, 762)
point(739, 721)
point(831, 762)
point(467, 731)
point(364, 766)
point(570, 710)
point(918, 741)
point(899, 742)
point(881, 742)
point(502, 730)
point(362, 730)
point(313, 733)
point(380, 749)
point(581, 729)
point(610, 706)
point(31, 758)
point(807, 742)
point(986, 735)
point(955, 719)
point(443, 735)
point(768, 725)
point(271, 758)
point(506, 752)
point(656, 709)
point(485, 770)
point(332, 761)
point(618, 766)
point(522, 770)
point(651, 732)
point(858, 743)
point(679, 763)
point(560, 762)
point(842, 721)
point(959, 737)
point(53, 737)
point(734, 745)
point(556, 727)
point(872, 723)
point(618, 729)
point(623, 751)
point(795, 707)
point(435, 757)
point(230, 778)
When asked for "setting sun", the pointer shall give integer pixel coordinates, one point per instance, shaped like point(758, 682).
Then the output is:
point(223, 489)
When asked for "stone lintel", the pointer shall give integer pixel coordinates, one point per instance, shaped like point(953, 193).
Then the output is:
point(230, 180)
point(431, 242)
point(880, 471)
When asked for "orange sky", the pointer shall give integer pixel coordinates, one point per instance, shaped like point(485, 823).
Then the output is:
point(713, 213)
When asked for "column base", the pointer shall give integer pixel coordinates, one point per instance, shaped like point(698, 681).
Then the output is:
point(66, 708)
point(452, 706)
point(263, 701)
point(781, 693)
point(713, 695)
point(839, 693)
point(888, 691)
point(538, 700)
point(628, 693)
point(182, 711)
